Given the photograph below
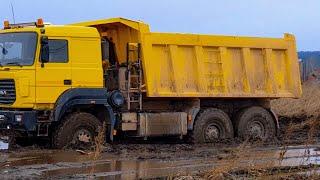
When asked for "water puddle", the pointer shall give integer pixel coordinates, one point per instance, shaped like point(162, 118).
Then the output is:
point(43, 157)
point(4, 145)
point(51, 163)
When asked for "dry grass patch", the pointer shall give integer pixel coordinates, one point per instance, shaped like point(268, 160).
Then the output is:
point(307, 105)
point(98, 148)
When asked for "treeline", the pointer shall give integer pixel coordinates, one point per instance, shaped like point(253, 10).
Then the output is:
point(310, 64)
point(312, 58)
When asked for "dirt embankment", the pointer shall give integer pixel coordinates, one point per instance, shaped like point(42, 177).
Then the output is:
point(300, 118)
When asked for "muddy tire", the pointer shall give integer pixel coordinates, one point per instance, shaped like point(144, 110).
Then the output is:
point(255, 123)
point(211, 125)
point(77, 130)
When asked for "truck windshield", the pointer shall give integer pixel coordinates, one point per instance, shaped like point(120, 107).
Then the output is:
point(17, 48)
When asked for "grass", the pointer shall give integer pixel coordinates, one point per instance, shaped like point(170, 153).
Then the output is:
point(308, 105)
point(99, 141)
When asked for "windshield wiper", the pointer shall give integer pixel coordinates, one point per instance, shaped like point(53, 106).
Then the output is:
point(14, 63)
point(4, 50)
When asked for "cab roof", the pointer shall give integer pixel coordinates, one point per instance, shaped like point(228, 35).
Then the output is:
point(59, 31)
point(137, 25)
point(71, 31)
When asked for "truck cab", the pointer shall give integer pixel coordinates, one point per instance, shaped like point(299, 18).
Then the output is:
point(41, 67)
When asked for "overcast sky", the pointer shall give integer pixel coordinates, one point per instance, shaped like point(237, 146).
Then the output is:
point(269, 18)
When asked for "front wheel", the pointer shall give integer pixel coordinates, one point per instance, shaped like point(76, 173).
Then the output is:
point(212, 125)
point(77, 130)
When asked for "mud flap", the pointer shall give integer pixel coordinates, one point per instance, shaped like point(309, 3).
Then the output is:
point(112, 121)
point(276, 121)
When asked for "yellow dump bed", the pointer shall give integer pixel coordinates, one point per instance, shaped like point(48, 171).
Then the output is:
point(188, 65)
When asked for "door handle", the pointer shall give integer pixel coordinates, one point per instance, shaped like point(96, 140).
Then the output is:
point(67, 82)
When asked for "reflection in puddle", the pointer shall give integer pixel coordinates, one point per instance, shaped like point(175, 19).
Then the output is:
point(136, 169)
point(132, 169)
point(294, 157)
point(47, 157)
point(3, 144)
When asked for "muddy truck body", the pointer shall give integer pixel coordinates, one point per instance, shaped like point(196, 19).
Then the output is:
point(65, 82)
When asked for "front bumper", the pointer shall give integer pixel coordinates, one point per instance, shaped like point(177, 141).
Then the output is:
point(18, 120)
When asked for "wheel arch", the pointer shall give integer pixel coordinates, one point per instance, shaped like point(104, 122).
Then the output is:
point(92, 100)
point(276, 119)
point(196, 111)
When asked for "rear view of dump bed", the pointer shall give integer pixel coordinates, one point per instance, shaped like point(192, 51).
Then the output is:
point(220, 66)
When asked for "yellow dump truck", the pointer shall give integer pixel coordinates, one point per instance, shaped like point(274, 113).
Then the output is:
point(65, 82)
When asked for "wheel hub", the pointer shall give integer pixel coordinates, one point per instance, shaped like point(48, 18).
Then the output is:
point(212, 132)
point(256, 129)
point(82, 135)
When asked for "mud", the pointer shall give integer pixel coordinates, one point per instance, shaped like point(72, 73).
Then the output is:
point(126, 165)
point(284, 158)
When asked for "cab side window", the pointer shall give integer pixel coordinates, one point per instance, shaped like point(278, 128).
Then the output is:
point(58, 51)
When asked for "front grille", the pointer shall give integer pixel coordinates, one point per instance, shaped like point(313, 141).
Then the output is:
point(7, 91)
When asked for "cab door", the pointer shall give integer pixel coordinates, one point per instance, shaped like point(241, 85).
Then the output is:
point(53, 77)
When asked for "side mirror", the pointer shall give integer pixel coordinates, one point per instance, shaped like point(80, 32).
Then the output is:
point(44, 53)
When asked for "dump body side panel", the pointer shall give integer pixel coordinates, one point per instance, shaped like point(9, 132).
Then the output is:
point(184, 65)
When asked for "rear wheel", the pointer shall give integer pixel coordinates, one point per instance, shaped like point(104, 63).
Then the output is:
point(212, 125)
point(77, 130)
point(255, 123)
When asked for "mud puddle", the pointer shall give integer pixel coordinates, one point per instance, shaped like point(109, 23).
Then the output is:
point(4, 145)
point(71, 164)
